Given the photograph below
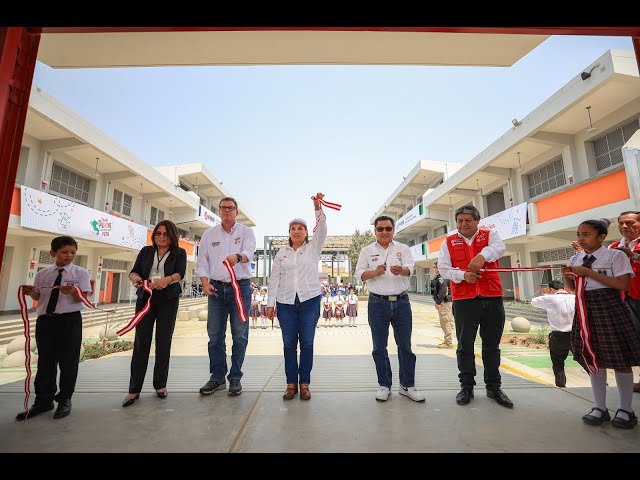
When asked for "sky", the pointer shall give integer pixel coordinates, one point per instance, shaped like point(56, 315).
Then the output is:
point(276, 135)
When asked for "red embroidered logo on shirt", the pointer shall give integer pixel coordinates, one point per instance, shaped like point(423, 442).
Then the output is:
point(237, 240)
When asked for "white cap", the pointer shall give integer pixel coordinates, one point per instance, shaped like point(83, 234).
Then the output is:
point(301, 221)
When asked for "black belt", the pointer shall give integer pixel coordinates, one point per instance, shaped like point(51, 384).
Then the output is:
point(391, 298)
point(227, 284)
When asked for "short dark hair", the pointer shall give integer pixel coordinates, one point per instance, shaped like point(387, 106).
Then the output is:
point(630, 212)
point(556, 284)
point(468, 209)
point(64, 241)
point(382, 218)
point(228, 199)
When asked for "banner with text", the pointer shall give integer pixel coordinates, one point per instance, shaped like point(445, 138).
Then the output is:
point(412, 216)
point(42, 211)
point(208, 217)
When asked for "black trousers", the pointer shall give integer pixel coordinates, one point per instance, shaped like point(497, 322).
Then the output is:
point(163, 313)
point(488, 314)
point(559, 346)
point(59, 339)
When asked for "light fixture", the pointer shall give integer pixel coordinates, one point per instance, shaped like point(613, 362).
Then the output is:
point(96, 174)
point(450, 204)
point(585, 75)
point(478, 186)
point(141, 196)
point(195, 187)
point(591, 128)
point(516, 123)
point(170, 209)
point(519, 162)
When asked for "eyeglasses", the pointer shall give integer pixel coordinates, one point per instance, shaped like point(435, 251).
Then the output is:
point(161, 234)
point(383, 229)
point(228, 209)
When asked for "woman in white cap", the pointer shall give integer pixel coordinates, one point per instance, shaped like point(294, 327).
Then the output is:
point(294, 285)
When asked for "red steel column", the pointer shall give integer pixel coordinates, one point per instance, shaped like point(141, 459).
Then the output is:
point(18, 50)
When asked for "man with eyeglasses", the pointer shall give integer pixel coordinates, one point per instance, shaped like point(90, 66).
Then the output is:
point(386, 266)
point(236, 243)
point(477, 301)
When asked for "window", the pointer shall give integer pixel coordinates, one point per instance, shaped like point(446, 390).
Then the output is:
point(608, 149)
point(546, 178)
point(69, 184)
point(153, 216)
point(183, 233)
point(122, 203)
point(555, 255)
point(440, 231)
point(160, 215)
point(203, 202)
point(424, 238)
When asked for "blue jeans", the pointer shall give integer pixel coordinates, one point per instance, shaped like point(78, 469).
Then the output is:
point(298, 323)
point(383, 313)
point(220, 307)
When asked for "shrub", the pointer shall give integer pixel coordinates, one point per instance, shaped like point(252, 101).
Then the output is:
point(100, 349)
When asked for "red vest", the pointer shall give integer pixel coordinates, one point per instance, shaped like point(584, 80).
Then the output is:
point(634, 290)
point(461, 254)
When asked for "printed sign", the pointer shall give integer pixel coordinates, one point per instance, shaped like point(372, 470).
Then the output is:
point(42, 211)
point(412, 216)
point(509, 223)
point(208, 217)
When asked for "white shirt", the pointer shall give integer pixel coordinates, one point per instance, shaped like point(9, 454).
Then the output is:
point(339, 300)
point(157, 269)
point(623, 243)
point(295, 272)
point(492, 252)
point(216, 245)
point(609, 262)
point(72, 274)
point(560, 308)
point(395, 254)
point(352, 299)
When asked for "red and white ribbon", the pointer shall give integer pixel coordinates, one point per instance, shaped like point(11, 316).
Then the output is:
point(139, 315)
point(242, 313)
point(331, 205)
point(587, 353)
point(26, 324)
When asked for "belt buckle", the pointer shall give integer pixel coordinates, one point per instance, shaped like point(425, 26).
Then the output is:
point(393, 298)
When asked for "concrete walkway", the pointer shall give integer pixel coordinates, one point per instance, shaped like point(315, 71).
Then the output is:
point(342, 416)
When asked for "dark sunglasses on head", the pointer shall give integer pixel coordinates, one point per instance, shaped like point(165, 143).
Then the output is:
point(382, 229)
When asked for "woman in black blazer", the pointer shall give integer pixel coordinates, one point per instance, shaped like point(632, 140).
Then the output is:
point(164, 264)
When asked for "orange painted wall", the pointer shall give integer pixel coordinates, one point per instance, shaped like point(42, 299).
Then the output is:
point(15, 201)
point(602, 191)
point(436, 243)
point(107, 295)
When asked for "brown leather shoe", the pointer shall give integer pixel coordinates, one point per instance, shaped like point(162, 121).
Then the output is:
point(292, 389)
point(305, 394)
point(636, 387)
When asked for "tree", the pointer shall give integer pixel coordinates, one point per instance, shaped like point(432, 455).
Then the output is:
point(358, 241)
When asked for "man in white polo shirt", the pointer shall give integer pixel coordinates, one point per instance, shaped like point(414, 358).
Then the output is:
point(236, 243)
point(386, 266)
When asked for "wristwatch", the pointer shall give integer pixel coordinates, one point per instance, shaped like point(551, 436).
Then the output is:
point(239, 257)
point(635, 257)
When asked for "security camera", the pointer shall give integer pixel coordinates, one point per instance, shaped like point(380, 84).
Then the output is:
point(516, 123)
point(585, 75)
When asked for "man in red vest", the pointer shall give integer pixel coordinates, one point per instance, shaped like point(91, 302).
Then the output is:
point(629, 227)
point(477, 301)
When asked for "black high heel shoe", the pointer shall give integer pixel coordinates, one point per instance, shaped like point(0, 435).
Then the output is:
point(130, 401)
point(162, 395)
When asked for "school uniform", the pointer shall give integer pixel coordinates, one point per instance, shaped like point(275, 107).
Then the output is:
point(614, 339)
point(352, 307)
point(58, 332)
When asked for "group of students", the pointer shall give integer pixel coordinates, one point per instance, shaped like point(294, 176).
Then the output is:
point(259, 300)
point(338, 307)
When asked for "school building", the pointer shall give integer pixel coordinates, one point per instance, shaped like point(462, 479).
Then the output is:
point(74, 180)
point(575, 157)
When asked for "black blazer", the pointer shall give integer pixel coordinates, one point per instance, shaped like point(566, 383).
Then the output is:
point(176, 262)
